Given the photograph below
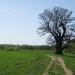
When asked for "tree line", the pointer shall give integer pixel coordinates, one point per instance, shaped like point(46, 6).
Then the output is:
point(9, 47)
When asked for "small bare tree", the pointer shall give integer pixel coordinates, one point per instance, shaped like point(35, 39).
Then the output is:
point(59, 25)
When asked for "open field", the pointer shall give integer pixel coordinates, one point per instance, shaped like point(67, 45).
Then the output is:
point(23, 63)
point(32, 62)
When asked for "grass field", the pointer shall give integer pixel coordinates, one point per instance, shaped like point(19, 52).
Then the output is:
point(22, 63)
point(31, 63)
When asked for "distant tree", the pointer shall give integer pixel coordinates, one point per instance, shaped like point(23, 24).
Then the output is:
point(59, 25)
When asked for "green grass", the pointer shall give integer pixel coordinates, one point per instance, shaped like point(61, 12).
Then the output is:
point(70, 61)
point(23, 62)
point(56, 69)
point(32, 62)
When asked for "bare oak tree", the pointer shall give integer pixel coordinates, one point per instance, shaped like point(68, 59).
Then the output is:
point(59, 25)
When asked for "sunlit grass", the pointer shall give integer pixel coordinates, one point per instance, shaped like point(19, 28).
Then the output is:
point(23, 63)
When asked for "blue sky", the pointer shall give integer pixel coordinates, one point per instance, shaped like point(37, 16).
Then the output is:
point(19, 19)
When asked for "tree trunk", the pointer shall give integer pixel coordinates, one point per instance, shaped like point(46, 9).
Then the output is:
point(59, 49)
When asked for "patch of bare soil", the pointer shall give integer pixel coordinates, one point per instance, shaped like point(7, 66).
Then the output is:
point(60, 61)
point(66, 70)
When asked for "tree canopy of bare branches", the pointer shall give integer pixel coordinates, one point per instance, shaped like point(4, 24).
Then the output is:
point(58, 23)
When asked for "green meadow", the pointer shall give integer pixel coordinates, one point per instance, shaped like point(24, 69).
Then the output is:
point(23, 63)
point(33, 62)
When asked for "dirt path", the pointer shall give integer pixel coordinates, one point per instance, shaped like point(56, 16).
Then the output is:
point(47, 69)
point(61, 62)
point(66, 70)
